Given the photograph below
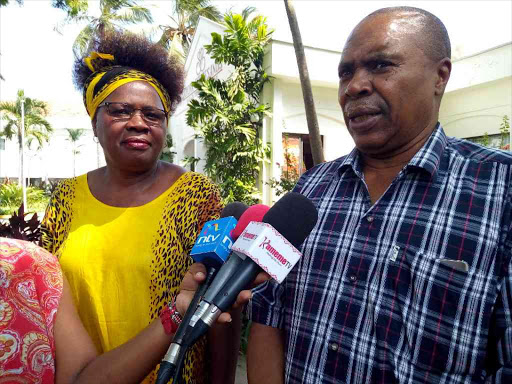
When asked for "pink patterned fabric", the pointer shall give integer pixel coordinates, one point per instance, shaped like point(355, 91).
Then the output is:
point(30, 291)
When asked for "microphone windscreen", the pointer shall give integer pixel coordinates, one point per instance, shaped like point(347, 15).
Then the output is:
point(235, 209)
point(293, 216)
point(253, 213)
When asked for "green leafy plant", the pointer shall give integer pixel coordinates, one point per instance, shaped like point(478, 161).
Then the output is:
point(168, 153)
point(21, 228)
point(244, 334)
point(11, 197)
point(228, 114)
point(289, 175)
point(505, 132)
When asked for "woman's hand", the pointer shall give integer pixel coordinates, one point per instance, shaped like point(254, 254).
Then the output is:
point(195, 276)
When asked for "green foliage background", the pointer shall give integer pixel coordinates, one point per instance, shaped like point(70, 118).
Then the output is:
point(228, 114)
point(11, 198)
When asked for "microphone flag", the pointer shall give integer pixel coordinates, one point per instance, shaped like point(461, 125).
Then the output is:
point(267, 248)
point(213, 245)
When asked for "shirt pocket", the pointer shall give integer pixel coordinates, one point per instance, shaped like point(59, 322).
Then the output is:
point(440, 315)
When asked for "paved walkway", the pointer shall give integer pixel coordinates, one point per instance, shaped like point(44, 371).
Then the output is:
point(241, 370)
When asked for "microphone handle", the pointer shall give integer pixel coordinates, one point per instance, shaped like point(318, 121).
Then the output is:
point(225, 272)
point(224, 300)
point(167, 365)
point(239, 281)
point(180, 333)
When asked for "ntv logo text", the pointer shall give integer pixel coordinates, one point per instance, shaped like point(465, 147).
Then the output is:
point(211, 238)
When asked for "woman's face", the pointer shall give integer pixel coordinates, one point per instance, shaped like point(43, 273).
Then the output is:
point(131, 144)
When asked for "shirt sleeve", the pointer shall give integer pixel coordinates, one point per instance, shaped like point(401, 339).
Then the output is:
point(208, 204)
point(266, 304)
point(499, 359)
point(49, 223)
point(500, 338)
point(38, 273)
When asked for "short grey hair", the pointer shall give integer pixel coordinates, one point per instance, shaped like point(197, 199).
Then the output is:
point(437, 41)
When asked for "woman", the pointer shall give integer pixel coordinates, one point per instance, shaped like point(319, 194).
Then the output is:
point(42, 339)
point(123, 232)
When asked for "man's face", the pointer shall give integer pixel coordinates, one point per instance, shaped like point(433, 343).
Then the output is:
point(387, 86)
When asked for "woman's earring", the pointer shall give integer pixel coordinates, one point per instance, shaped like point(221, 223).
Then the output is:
point(95, 139)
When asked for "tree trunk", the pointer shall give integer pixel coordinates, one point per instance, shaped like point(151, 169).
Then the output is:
point(307, 93)
point(20, 159)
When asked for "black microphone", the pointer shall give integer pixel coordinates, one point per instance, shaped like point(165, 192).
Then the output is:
point(212, 257)
point(253, 213)
point(294, 217)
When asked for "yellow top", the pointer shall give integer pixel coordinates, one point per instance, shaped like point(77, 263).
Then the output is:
point(123, 264)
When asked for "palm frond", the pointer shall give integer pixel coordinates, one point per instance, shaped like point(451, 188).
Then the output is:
point(135, 14)
point(9, 108)
point(39, 124)
point(83, 39)
point(176, 48)
point(37, 135)
point(10, 130)
point(247, 12)
point(210, 12)
point(75, 134)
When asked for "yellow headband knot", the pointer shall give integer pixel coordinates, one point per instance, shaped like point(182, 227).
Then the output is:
point(96, 55)
point(109, 79)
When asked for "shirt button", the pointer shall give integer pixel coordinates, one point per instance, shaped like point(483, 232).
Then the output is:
point(333, 346)
point(352, 278)
point(369, 219)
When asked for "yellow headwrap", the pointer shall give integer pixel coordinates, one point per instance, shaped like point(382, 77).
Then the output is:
point(114, 77)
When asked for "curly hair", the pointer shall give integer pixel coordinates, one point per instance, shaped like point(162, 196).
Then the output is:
point(137, 52)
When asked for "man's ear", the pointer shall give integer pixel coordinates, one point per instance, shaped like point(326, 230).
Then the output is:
point(444, 68)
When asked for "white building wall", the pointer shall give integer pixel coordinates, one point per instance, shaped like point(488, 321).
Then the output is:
point(322, 63)
point(478, 94)
point(337, 140)
point(55, 159)
point(473, 111)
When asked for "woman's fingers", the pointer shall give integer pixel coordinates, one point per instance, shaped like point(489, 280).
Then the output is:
point(189, 285)
point(196, 275)
point(260, 278)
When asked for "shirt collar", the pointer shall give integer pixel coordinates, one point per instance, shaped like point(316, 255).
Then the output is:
point(427, 158)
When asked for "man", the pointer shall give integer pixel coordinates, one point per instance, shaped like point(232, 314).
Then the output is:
point(407, 276)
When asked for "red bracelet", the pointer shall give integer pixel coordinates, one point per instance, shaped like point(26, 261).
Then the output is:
point(171, 318)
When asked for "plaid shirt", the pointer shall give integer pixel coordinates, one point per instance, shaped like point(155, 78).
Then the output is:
point(416, 288)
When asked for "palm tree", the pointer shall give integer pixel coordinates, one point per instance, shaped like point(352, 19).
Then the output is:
point(3, 3)
point(185, 16)
point(36, 126)
point(309, 103)
point(72, 7)
point(73, 136)
point(114, 14)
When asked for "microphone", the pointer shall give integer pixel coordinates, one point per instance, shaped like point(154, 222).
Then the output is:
point(213, 245)
point(211, 248)
point(270, 244)
point(177, 352)
point(253, 213)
